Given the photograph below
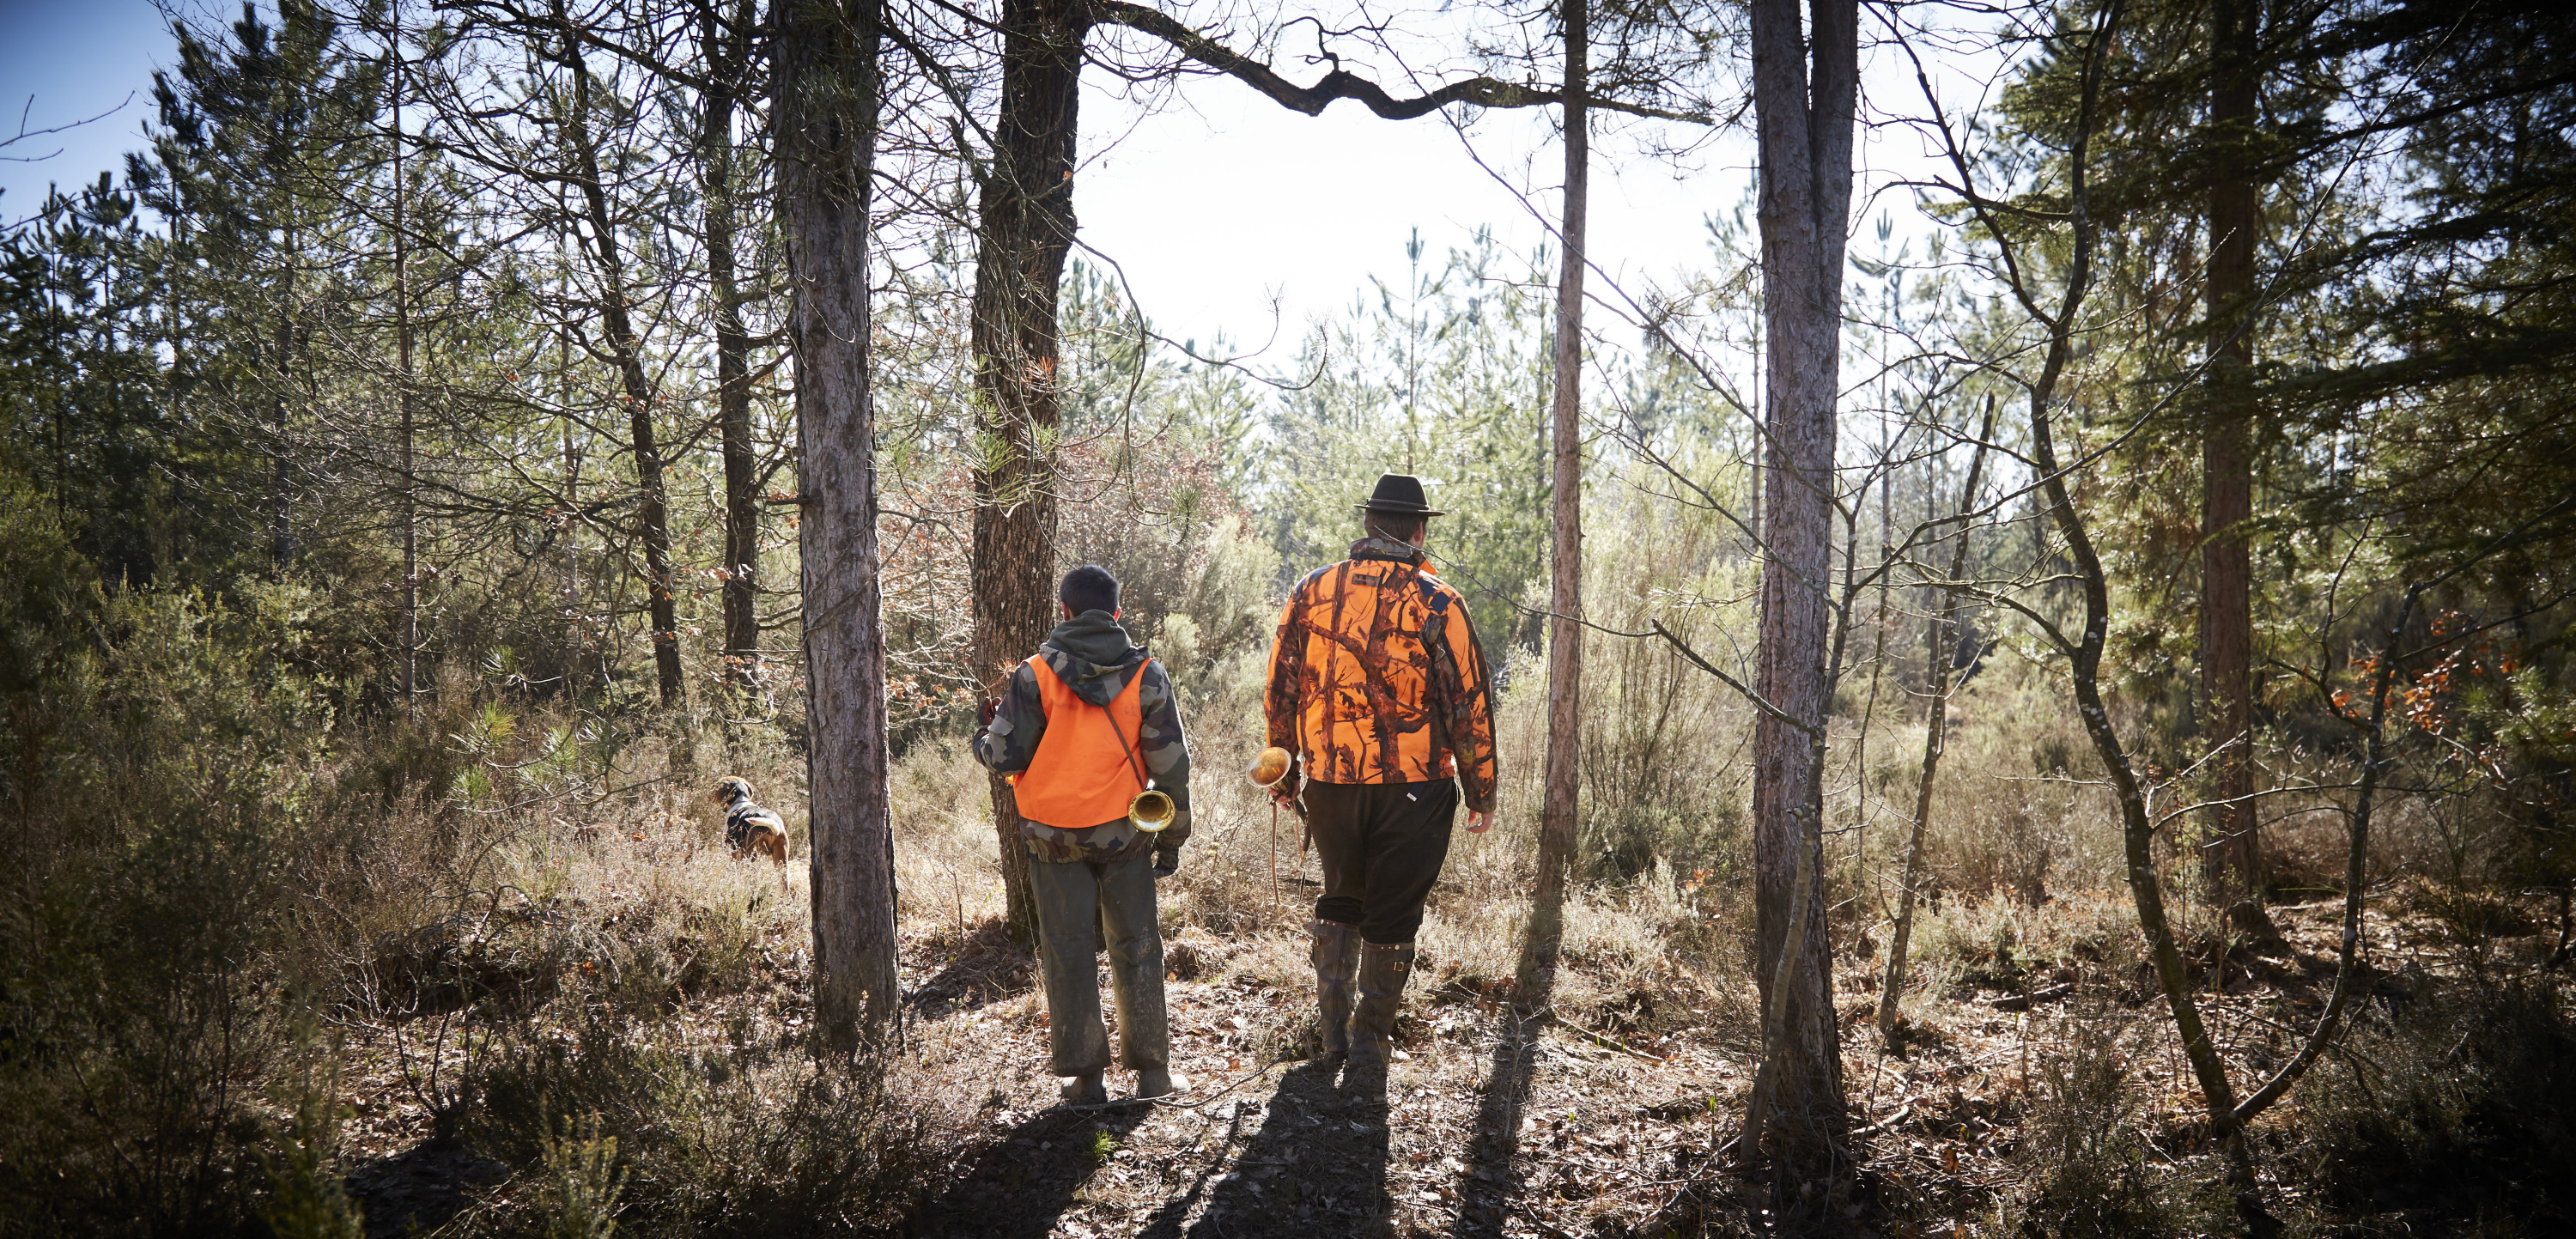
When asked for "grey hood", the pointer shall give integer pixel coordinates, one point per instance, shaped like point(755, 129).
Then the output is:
point(1092, 654)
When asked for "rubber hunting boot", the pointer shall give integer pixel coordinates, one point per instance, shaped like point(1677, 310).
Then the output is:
point(1335, 954)
point(1383, 969)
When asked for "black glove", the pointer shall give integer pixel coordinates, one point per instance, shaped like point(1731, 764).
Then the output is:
point(984, 712)
point(1167, 861)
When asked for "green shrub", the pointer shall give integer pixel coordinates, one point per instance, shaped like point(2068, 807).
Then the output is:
point(2465, 1107)
point(307, 1198)
point(163, 787)
point(576, 1196)
point(710, 1141)
point(2090, 1161)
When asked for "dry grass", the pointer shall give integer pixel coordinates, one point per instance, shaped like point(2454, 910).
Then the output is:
point(498, 938)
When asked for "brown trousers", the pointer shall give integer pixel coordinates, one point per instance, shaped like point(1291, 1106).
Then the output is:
point(1382, 846)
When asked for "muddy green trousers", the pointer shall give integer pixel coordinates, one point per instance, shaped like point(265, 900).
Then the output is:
point(1113, 900)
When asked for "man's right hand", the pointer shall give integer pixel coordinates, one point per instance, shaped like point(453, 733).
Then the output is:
point(1479, 823)
point(984, 712)
point(1285, 790)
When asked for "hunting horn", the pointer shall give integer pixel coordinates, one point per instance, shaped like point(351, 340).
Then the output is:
point(1270, 767)
point(1152, 811)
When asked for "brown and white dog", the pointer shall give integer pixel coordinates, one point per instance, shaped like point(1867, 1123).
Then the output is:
point(751, 829)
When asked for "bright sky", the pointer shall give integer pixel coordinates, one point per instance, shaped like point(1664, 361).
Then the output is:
point(1216, 205)
point(63, 61)
point(1219, 204)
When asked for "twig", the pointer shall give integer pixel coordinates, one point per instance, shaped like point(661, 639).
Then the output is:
point(1887, 1124)
point(1610, 1041)
point(1166, 1102)
point(1537, 1221)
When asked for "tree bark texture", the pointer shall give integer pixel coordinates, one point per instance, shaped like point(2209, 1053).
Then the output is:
point(1026, 218)
point(1804, 116)
point(726, 63)
point(281, 479)
point(1556, 820)
point(635, 388)
point(407, 409)
point(826, 61)
point(2232, 859)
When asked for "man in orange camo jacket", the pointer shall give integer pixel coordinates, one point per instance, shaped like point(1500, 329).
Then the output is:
point(1378, 685)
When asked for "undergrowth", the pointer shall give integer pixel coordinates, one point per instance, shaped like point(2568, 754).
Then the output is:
point(242, 905)
point(2463, 1108)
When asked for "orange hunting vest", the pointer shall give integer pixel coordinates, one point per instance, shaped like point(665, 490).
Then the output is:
point(1081, 776)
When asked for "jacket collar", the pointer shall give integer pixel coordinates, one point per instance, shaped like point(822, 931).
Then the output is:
point(1375, 547)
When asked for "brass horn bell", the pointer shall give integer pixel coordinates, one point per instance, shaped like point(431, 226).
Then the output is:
point(1152, 811)
point(1270, 767)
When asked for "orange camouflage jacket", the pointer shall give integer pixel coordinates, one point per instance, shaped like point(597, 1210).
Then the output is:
point(1376, 676)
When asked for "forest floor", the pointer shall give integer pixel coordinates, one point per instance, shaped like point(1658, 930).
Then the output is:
point(1591, 1118)
point(1488, 1122)
point(1497, 1124)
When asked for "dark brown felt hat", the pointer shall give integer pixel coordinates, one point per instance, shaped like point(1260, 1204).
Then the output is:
point(1398, 494)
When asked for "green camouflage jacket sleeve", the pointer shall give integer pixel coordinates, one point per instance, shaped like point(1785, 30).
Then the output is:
point(1161, 744)
point(1011, 742)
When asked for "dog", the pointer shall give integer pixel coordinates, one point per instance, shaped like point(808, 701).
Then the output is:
point(751, 829)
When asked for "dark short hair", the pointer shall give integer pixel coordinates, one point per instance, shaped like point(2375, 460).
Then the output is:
point(1401, 526)
point(1089, 588)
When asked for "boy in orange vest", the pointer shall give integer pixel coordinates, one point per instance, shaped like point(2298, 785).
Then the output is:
point(1088, 722)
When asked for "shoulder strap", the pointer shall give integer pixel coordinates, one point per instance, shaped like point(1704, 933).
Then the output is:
point(1134, 761)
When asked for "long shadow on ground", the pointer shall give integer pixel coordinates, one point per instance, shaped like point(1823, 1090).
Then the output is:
point(984, 966)
point(420, 1188)
point(1485, 1196)
point(1316, 1166)
point(1022, 1184)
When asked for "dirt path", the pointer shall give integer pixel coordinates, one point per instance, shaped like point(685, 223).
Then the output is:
point(1489, 1123)
point(1496, 1126)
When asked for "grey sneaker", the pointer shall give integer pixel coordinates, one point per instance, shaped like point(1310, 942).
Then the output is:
point(1152, 1082)
point(1086, 1090)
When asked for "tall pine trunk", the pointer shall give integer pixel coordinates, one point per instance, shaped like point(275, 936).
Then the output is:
point(1026, 210)
point(1804, 120)
point(408, 411)
point(2233, 859)
point(1556, 821)
point(626, 350)
point(741, 581)
point(826, 59)
point(576, 639)
point(281, 480)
